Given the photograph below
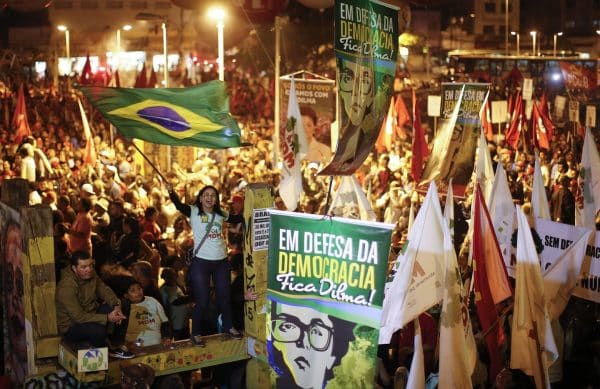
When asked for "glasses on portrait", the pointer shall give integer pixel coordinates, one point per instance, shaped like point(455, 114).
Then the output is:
point(288, 329)
point(348, 80)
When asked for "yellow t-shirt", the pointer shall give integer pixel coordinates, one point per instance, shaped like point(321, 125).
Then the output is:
point(145, 319)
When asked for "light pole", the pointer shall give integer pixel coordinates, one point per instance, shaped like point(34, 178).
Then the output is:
point(65, 29)
point(126, 27)
point(555, 39)
point(533, 35)
point(218, 14)
point(149, 16)
point(514, 33)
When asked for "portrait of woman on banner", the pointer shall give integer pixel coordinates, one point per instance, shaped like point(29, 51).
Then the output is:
point(364, 98)
point(305, 345)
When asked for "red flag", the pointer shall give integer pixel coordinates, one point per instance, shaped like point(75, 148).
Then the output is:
point(152, 81)
point(490, 280)
point(19, 122)
point(513, 132)
point(402, 117)
point(86, 72)
point(420, 152)
point(539, 129)
point(384, 139)
point(141, 80)
point(486, 120)
point(117, 79)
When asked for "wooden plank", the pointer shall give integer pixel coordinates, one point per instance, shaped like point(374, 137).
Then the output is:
point(258, 374)
point(47, 347)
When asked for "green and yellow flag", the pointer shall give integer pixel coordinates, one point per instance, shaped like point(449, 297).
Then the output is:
point(197, 116)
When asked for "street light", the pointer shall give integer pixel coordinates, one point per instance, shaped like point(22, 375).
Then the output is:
point(65, 29)
point(149, 16)
point(126, 27)
point(218, 14)
point(533, 35)
point(514, 33)
point(555, 39)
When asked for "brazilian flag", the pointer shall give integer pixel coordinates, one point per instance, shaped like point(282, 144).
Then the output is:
point(196, 116)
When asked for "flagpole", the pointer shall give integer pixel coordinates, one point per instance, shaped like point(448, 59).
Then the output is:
point(149, 162)
point(277, 123)
point(539, 354)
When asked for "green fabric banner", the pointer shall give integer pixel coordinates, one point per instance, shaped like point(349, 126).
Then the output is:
point(366, 46)
point(324, 298)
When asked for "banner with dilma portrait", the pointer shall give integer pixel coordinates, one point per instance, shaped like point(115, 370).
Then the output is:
point(366, 48)
point(325, 287)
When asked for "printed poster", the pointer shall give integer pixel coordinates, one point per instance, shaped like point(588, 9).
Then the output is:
point(453, 153)
point(557, 237)
point(366, 47)
point(316, 98)
point(325, 287)
point(15, 324)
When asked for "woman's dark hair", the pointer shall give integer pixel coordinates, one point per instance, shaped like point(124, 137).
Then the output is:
point(149, 212)
point(133, 224)
point(342, 336)
point(217, 208)
point(86, 204)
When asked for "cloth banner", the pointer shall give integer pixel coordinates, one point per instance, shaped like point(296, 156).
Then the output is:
point(316, 98)
point(557, 238)
point(366, 46)
point(324, 299)
point(453, 153)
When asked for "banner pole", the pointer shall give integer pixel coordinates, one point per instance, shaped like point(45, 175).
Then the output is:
point(326, 209)
point(149, 162)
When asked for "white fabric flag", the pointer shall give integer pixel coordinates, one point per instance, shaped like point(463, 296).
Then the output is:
point(293, 149)
point(484, 170)
point(457, 344)
point(350, 201)
point(416, 375)
point(539, 200)
point(449, 209)
point(89, 154)
point(589, 176)
point(532, 344)
point(560, 279)
point(417, 284)
point(502, 211)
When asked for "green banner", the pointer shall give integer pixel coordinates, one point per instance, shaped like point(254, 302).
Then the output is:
point(324, 298)
point(366, 45)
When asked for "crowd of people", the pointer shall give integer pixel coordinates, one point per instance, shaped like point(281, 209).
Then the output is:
point(124, 223)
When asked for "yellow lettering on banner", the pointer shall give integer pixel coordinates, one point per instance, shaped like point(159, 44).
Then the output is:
point(358, 275)
point(283, 260)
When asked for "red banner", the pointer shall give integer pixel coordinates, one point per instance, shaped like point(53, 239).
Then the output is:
point(577, 76)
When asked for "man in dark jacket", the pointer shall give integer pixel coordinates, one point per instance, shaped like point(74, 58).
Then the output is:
point(81, 318)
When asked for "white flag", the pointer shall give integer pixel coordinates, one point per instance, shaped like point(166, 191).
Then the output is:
point(417, 284)
point(457, 344)
point(589, 176)
point(484, 170)
point(350, 201)
point(532, 344)
point(89, 153)
point(293, 149)
point(502, 211)
point(539, 200)
point(416, 376)
point(560, 279)
point(449, 209)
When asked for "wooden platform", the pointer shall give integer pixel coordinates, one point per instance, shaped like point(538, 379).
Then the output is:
point(180, 356)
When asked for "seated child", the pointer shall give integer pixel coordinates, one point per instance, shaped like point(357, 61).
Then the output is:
point(176, 303)
point(147, 322)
